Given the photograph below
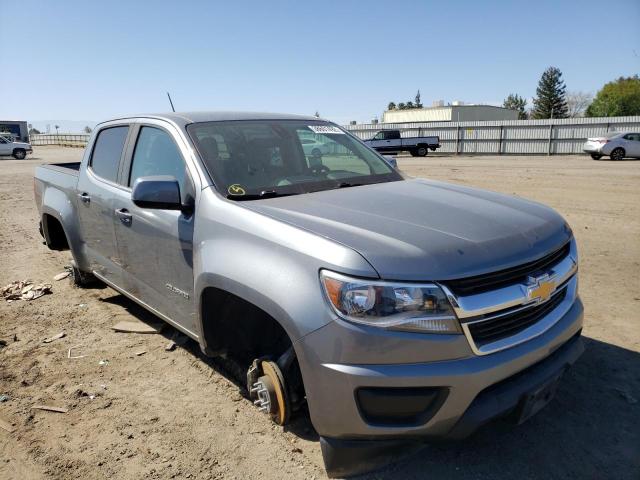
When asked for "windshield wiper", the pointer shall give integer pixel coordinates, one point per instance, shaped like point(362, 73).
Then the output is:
point(262, 194)
point(347, 185)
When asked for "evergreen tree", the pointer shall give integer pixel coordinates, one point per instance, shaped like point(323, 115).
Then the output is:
point(517, 103)
point(391, 106)
point(418, 104)
point(551, 99)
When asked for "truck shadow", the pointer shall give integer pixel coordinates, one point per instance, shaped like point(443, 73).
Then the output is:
point(591, 429)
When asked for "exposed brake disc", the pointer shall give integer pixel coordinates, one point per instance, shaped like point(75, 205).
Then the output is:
point(268, 391)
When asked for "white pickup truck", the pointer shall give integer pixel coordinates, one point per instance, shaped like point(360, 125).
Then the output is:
point(385, 141)
point(17, 150)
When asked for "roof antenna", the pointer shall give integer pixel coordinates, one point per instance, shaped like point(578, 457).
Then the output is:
point(171, 102)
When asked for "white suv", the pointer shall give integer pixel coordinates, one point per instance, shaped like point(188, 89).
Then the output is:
point(17, 150)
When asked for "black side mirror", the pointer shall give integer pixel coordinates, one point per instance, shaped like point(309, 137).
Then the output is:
point(159, 192)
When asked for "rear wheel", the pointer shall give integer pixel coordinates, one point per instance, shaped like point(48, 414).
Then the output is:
point(414, 153)
point(422, 151)
point(617, 154)
point(596, 156)
point(19, 154)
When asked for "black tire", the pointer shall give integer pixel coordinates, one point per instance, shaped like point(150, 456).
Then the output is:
point(413, 153)
point(422, 151)
point(596, 156)
point(617, 154)
point(19, 153)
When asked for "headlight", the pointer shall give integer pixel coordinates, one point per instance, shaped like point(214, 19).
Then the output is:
point(395, 306)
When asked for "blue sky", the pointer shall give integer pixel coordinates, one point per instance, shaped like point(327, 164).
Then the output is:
point(92, 60)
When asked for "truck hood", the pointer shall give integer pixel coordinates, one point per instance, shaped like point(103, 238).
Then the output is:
point(425, 230)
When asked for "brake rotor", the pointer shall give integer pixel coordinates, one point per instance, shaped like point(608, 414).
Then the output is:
point(271, 393)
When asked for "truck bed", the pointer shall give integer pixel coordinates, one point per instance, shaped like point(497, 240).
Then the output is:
point(72, 168)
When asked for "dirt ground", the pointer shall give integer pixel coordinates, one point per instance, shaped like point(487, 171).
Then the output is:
point(177, 415)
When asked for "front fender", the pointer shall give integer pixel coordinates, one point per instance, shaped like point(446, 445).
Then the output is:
point(269, 263)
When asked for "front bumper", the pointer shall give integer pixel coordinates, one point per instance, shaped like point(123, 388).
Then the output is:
point(331, 379)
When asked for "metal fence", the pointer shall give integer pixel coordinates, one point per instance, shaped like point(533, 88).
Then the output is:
point(61, 139)
point(512, 137)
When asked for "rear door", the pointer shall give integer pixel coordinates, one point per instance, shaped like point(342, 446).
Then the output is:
point(157, 245)
point(97, 188)
point(5, 146)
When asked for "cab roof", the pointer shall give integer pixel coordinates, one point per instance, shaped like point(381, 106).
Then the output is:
point(185, 118)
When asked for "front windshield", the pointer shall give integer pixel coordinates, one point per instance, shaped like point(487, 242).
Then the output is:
point(257, 158)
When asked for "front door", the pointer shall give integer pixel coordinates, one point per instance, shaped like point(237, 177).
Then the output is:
point(97, 187)
point(5, 146)
point(156, 246)
point(632, 144)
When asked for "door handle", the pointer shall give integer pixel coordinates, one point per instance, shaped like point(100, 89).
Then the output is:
point(84, 197)
point(124, 216)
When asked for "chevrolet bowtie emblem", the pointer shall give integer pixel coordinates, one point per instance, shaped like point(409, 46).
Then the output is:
point(540, 288)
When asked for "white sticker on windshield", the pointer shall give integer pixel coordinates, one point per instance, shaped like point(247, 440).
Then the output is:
point(325, 129)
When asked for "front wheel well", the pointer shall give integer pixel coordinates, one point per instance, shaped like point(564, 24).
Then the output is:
point(241, 332)
point(235, 327)
point(54, 233)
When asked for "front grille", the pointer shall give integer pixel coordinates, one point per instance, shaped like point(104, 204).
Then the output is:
point(509, 276)
point(494, 329)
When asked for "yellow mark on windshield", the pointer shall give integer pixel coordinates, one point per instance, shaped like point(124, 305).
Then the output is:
point(235, 189)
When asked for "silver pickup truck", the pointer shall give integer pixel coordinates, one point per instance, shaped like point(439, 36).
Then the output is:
point(395, 310)
point(387, 141)
point(18, 150)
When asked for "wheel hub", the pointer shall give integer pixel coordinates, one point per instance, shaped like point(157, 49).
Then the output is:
point(267, 390)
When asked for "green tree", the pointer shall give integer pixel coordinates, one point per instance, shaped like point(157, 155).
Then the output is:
point(402, 106)
point(87, 129)
point(410, 105)
point(517, 103)
point(391, 106)
point(551, 97)
point(618, 98)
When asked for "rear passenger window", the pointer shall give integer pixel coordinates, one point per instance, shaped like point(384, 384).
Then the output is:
point(107, 151)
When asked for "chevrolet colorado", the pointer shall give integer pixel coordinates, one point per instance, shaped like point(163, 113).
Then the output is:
point(394, 309)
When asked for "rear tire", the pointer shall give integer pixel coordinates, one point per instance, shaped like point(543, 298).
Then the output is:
point(596, 156)
point(422, 151)
point(19, 154)
point(617, 154)
point(413, 153)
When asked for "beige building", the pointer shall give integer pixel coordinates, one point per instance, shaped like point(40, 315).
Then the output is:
point(451, 113)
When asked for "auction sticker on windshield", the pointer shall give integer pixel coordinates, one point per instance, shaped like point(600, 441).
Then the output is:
point(235, 189)
point(325, 129)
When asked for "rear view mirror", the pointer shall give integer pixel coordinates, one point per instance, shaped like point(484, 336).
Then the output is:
point(159, 192)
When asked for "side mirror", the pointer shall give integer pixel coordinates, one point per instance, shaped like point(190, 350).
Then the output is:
point(159, 192)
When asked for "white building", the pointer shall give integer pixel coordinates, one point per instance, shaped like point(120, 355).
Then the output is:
point(457, 112)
